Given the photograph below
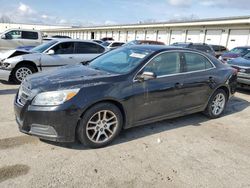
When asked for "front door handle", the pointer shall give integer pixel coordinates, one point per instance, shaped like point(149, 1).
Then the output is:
point(70, 57)
point(178, 85)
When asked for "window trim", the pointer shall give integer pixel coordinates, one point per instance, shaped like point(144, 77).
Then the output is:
point(182, 73)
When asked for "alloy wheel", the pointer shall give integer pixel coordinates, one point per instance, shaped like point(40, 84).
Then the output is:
point(218, 104)
point(22, 72)
point(102, 126)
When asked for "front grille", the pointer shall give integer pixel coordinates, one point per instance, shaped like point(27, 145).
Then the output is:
point(24, 95)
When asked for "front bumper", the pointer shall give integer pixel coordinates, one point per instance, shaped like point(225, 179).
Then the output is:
point(5, 74)
point(49, 123)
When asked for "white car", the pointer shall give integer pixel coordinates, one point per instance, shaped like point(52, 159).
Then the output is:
point(46, 56)
point(111, 45)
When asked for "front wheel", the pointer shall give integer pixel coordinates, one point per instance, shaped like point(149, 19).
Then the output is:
point(216, 104)
point(21, 71)
point(100, 125)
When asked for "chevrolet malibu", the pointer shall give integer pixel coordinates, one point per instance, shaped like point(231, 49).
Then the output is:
point(123, 88)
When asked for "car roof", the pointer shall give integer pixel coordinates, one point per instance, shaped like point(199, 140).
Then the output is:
point(159, 48)
point(72, 40)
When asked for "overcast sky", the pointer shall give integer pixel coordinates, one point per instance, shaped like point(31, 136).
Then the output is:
point(100, 12)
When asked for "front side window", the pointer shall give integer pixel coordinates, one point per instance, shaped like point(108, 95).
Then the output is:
point(64, 48)
point(165, 64)
point(196, 62)
point(14, 34)
point(43, 47)
point(29, 35)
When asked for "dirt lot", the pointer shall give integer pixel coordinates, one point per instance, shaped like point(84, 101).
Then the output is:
point(191, 151)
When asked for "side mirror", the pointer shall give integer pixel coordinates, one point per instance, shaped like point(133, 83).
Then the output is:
point(146, 76)
point(51, 52)
point(3, 36)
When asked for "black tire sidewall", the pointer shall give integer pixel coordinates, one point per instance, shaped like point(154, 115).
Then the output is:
point(209, 111)
point(18, 67)
point(81, 130)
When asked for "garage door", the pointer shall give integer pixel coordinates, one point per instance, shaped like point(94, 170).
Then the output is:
point(123, 35)
point(103, 34)
point(98, 35)
point(213, 37)
point(176, 36)
point(85, 35)
point(131, 35)
point(140, 35)
point(162, 36)
point(109, 34)
point(193, 36)
point(116, 35)
point(238, 38)
point(151, 35)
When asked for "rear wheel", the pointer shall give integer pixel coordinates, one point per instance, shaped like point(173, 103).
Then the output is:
point(216, 104)
point(21, 71)
point(100, 125)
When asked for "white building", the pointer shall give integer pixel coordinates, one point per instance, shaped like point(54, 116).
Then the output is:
point(229, 32)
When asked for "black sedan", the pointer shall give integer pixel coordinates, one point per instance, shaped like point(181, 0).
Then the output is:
point(242, 64)
point(123, 88)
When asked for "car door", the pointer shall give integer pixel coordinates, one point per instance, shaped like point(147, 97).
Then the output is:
point(29, 38)
point(63, 54)
point(86, 51)
point(162, 96)
point(199, 80)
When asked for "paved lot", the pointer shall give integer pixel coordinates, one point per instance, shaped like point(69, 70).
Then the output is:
point(191, 151)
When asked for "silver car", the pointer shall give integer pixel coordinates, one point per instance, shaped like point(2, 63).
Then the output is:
point(47, 56)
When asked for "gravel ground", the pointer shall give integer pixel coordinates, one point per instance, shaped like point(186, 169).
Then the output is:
point(190, 151)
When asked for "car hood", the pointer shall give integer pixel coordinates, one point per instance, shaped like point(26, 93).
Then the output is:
point(230, 55)
point(240, 61)
point(12, 53)
point(67, 77)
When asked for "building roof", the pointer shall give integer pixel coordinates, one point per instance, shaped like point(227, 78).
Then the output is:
point(185, 23)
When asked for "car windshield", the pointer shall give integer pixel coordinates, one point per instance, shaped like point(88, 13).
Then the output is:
point(106, 43)
point(41, 48)
point(239, 50)
point(120, 61)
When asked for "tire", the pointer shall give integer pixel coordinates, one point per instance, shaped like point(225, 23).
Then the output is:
point(21, 71)
point(217, 101)
point(100, 125)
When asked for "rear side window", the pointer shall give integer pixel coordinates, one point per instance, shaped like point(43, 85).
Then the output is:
point(64, 48)
point(88, 48)
point(196, 62)
point(29, 35)
point(165, 64)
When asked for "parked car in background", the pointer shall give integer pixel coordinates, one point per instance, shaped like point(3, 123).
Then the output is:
point(98, 41)
point(49, 55)
point(197, 46)
point(121, 89)
point(14, 38)
point(143, 42)
point(219, 50)
point(107, 38)
point(111, 45)
point(234, 53)
point(242, 64)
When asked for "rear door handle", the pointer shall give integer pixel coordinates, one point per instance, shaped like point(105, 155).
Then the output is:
point(178, 85)
point(70, 57)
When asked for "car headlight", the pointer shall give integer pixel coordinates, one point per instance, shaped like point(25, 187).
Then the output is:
point(220, 58)
point(53, 98)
